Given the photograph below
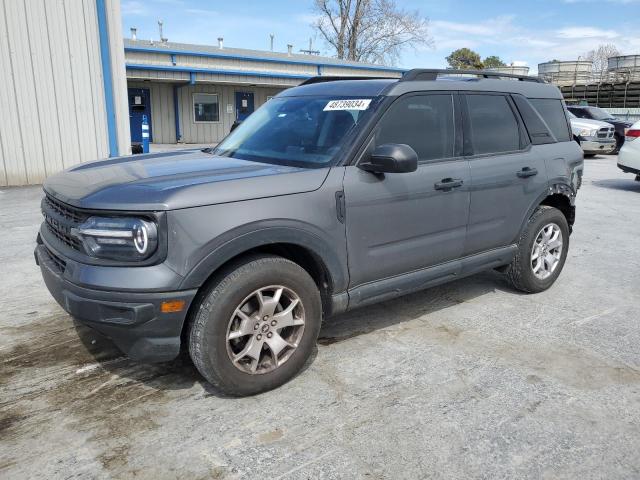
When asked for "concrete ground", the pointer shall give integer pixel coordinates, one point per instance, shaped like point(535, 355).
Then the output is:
point(468, 380)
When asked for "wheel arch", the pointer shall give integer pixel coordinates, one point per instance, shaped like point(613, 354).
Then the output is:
point(309, 250)
point(558, 195)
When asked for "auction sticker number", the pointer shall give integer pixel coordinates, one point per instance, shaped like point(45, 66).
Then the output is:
point(353, 104)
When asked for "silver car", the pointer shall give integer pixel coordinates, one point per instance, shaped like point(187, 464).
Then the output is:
point(593, 136)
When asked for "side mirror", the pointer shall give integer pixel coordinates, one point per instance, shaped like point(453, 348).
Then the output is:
point(391, 158)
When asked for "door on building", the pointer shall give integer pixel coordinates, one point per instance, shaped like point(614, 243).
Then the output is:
point(244, 105)
point(139, 105)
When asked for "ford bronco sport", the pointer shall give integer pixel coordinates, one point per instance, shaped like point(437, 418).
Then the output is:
point(335, 194)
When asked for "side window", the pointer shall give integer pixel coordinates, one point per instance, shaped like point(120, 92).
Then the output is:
point(578, 112)
point(553, 114)
point(494, 128)
point(424, 122)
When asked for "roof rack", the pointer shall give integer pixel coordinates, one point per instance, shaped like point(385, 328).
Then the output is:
point(433, 73)
point(334, 78)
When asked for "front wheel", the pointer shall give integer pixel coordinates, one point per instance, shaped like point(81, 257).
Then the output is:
point(255, 327)
point(542, 251)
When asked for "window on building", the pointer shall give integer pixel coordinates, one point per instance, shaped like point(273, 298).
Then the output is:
point(205, 107)
point(553, 114)
point(424, 122)
point(494, 128)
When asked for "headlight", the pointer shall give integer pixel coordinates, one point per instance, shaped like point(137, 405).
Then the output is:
point(116, 238)
point(585, 132)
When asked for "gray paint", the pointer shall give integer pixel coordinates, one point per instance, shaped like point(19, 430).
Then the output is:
point(400, 233)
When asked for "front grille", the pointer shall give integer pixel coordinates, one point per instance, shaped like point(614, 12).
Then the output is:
point(56, 261)
point(606, 132)
point(60, 218)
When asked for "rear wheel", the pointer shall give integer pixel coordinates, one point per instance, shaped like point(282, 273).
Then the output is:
point(256, 327)
point(542, 251)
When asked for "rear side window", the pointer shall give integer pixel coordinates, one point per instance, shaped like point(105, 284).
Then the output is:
point(552, 112)
point(424, 122)
point(494, 128)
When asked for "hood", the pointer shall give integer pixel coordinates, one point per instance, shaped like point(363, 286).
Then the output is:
point(580, 123)
point(618, 121)
point(181, 179)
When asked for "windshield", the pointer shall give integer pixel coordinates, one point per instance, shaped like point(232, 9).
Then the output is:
point(571, 115)
point(306, 132)
point(599, 113)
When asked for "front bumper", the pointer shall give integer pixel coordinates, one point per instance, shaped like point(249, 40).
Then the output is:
point(133, 320)
point(598, 146)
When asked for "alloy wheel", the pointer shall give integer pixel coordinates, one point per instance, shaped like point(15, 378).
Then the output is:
point(265, 329)
point(546, 251)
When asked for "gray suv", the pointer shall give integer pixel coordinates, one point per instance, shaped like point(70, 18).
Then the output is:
point(335, 194)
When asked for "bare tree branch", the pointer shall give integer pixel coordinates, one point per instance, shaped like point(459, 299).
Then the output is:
point(373, 31)
point(600, 57)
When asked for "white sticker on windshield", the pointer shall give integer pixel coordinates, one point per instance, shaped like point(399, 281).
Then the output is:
point(353, 104)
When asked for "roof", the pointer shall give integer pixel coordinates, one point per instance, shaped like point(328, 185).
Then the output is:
point(396, 87)
point(360, 88)
point(247, 54)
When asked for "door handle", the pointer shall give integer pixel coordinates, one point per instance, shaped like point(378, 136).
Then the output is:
point(447, 184)
point(527, 172)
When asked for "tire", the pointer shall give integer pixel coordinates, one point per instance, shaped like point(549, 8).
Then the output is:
point(521, 270)
point(619, 143)
point(218, 316)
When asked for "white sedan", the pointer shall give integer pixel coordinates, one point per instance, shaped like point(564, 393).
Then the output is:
point(629, 156)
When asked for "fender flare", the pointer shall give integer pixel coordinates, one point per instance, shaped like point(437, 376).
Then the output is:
point(247, 237)
point(558, 188)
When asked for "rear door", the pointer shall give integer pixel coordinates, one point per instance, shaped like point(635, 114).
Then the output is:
point(507, 174)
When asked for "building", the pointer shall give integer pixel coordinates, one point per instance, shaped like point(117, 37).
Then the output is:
point(63, 92)
point(73, 90)
point(194, 93)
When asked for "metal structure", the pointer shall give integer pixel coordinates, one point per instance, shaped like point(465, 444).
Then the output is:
point(511, 69)
point(566, 73)
point(626, 66)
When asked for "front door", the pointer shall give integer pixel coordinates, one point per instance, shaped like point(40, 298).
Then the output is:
point(139, 105)
point(244, 105)
point(403, 222)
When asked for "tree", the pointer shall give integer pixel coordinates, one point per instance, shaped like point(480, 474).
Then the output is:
point(373, 31)
point(493, 61)
point(465, 59)
point(600, 56)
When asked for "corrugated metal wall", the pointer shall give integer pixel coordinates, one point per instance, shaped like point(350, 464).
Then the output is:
point(162, 113)
point(51, 87)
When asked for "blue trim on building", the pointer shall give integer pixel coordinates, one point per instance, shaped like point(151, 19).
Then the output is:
point(192, 78)
point(107, 77)
point(216, 71)
point(173, 59)
point(256, 58)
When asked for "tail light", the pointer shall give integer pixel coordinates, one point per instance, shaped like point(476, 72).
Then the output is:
point(632, 134)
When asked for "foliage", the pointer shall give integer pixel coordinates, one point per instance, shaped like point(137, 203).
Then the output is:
point(493, 61)
point(465, 59)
